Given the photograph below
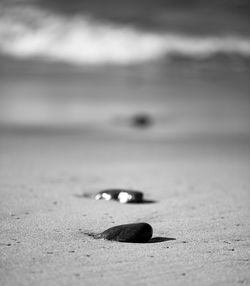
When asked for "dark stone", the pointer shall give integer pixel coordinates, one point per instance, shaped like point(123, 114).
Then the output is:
point(133, 232)
point(141, 120)
point(121, 195)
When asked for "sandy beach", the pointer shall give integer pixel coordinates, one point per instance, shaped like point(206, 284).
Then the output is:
point(196, 170)
point(75, 76)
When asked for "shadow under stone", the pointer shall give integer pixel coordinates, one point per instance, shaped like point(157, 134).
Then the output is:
point(160, 239)
point(152, 240)
point(142, 202)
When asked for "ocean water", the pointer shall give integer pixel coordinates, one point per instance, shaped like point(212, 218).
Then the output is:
point(86, 64)
point(88, 34)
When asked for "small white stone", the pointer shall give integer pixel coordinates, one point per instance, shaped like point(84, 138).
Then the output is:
point(106, 196)
point(124, 197)
point(103, 196)
point(98, 196)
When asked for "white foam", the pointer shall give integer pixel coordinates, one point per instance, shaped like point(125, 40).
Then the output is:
point(29, 32)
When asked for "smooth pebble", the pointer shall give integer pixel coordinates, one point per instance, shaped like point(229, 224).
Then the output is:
point(121, 195)
point(141, 120)
point(133, 232)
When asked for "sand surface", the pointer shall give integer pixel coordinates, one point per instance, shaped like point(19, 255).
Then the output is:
point(200, 185)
